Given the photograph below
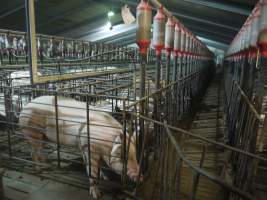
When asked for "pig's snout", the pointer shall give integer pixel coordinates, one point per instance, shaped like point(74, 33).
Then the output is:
point(133, 173)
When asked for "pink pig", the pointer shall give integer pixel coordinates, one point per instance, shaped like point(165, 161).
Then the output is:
point(38, 123)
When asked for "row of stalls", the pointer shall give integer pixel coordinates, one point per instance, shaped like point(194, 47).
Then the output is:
point(119, 105)
point(245, 86)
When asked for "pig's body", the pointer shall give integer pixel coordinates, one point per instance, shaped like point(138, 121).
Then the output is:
point(72, 124)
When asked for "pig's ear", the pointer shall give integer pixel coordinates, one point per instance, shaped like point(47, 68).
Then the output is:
point(116, 148)
point(133, 137)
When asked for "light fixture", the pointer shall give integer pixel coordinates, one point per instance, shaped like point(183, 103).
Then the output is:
point(111, 13)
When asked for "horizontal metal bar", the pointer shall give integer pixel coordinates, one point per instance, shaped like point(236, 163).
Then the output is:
point(253, 109)
point(182, 131)
point(202, 172)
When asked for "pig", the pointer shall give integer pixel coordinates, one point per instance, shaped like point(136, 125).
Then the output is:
point(37, 121)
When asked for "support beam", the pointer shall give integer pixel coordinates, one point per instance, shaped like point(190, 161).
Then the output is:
point(212, 43)
point(204, 21)
point(210, 31)
point(185, 16)
point(10, 12)
point(31, 38)
point(221, 6)
point(65, 13)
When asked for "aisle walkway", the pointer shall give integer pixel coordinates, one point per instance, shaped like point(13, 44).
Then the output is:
point(208, 122)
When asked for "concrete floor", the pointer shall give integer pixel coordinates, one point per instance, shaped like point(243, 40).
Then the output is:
point(22, 186)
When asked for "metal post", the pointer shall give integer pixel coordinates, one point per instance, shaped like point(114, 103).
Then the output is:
point(157, 100)
point(168, 66)
point(124, 145)
point(158, 62)
point(88, 135)
point(167, 79)
point(57, 130)
point(197, 175)
point(175, 75)
point(142, 94)
point(1, 184)
point(31, 39)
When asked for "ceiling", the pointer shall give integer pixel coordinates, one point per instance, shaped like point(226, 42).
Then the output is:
point(216, 22)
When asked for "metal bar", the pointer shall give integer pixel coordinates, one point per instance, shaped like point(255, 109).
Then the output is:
point(252, 108)
point(88, 134)
point(162, 89)
point(142, 94)
point(124, 145)
point(32, 51)
point(57, 130)
point(181, 131)
point(196, 178)
point(158, 63)
point(200, 171)
point(1, 183)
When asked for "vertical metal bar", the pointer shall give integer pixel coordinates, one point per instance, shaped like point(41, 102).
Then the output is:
point(196, 177)
point(57, 130)
point(124, 144)
point(175, 76)
point(31, 39)
point(142, 94)
point(168, 66)
point(168, 92)
point(157, 98)
point(1, 184)
point(158, 62)
point(8, 106)
point(88, 134)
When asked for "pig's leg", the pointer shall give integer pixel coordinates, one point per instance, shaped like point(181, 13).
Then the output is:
point(94, 160)
point(103, 176)
point(35, 139)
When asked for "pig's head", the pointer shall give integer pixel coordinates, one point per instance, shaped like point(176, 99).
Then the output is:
point(117, 157)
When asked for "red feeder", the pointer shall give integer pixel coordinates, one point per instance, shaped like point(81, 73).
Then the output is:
point(159, 31)
point(143, 32)
point(169, 36)
point(177, 39)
